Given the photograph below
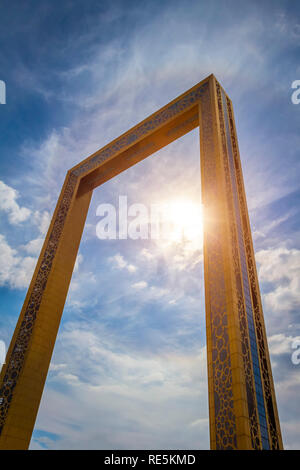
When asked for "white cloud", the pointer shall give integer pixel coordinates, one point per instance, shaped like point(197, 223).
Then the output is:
point(120, 262)
point(139, 285)
point(78, 261)
point(278, 263)
point(280, 266)
point(15, 271)
point(56, 367)
point(83, 289)
point(141, 399)
point(200, 422)
point(8, 204)
point(70, 378)
point(147, 254)
point(281, 344)
point(42, 221)
point(33, 247)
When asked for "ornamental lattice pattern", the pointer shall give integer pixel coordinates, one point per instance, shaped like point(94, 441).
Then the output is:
point(248, 371)
point(225, 422)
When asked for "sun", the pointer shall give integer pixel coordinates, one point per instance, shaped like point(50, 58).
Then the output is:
point(183, 221)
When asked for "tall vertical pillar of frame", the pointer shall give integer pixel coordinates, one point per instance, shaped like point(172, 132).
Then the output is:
point(234, 420)
point(239, 311)
point(239, 372)
point(228, 416)
point(270, 405)
point(23, 376)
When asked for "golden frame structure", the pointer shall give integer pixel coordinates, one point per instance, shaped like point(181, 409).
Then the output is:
point(242, 405)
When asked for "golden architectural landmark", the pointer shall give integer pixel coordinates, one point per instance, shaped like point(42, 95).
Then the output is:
point(242, 405)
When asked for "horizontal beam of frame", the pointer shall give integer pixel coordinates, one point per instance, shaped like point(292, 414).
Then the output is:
point(158, 130)
point(137, 152)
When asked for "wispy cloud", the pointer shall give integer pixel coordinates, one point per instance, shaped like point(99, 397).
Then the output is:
point(280, 267)
point(121, 383)
point(119, 261)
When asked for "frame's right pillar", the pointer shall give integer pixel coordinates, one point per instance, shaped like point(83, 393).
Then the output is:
point(242, 404)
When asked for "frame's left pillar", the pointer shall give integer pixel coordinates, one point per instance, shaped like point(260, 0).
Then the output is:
point(23, 376)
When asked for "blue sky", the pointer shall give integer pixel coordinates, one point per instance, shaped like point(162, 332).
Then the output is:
point(128, 369)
